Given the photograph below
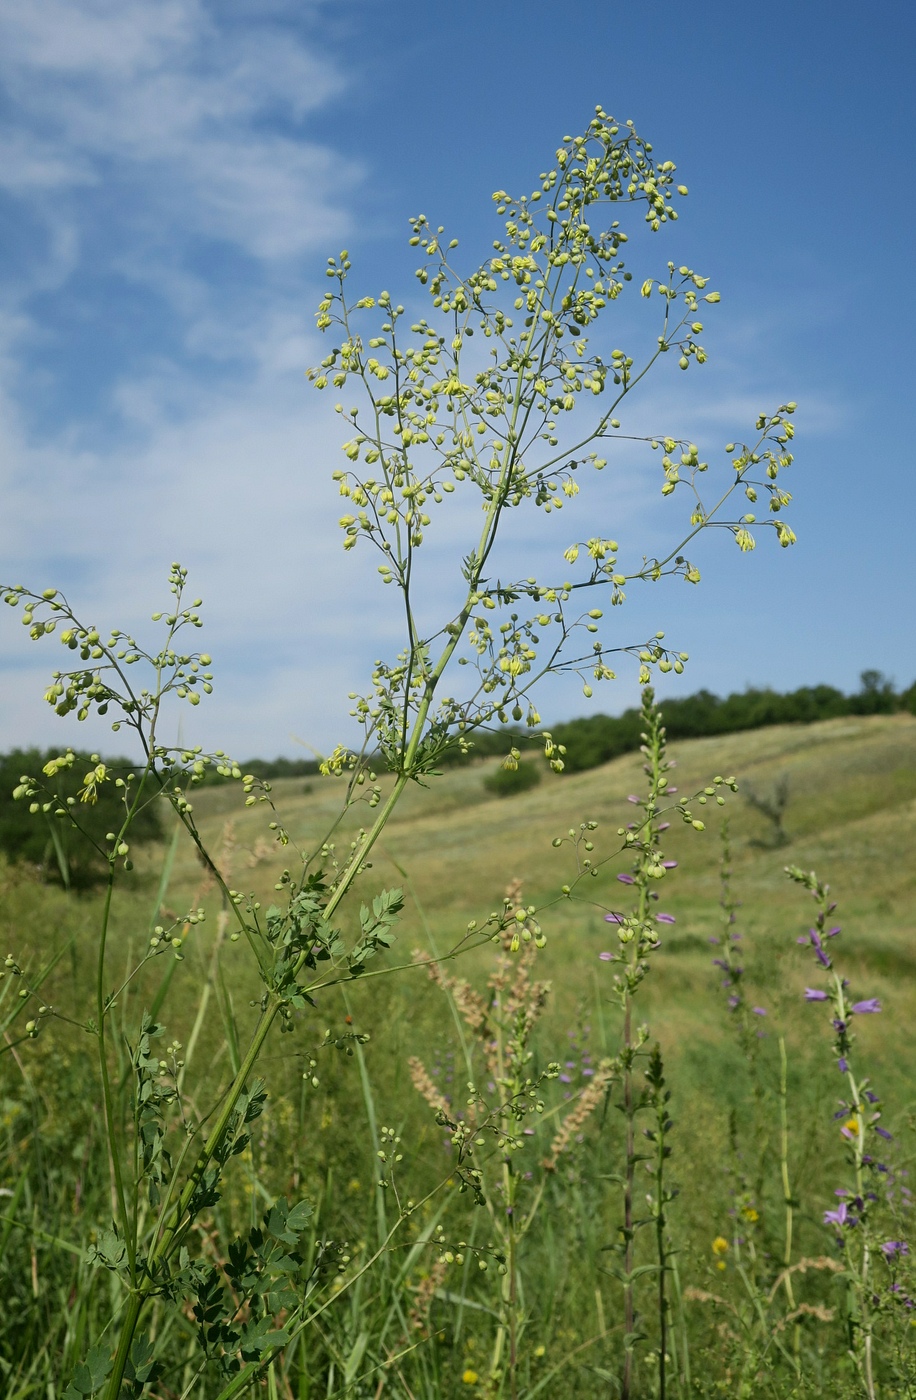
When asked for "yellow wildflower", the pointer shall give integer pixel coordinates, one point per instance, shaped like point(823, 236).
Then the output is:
point(720, 1245)
point(470, 1377)
point(750, 1214)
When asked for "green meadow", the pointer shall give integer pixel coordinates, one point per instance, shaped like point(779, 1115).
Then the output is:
point(416, 1323)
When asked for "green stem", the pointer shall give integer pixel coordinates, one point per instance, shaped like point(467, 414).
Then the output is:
point(629, 1311)
point(107, 1096)
point(661, 1253)
point(786, 1188)
point(125, 1341)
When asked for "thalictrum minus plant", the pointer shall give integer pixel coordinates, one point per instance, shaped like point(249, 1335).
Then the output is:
point(436, 415)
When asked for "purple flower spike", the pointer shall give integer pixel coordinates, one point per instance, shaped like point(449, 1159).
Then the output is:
point(613, 918)
point(663, 826)
point(632, 797)
point(867, 1008)
point(713, 940)
point(625, 879)
point(832, 932)
point(882, 1132)
point(840, 1216)
point(606, 957)
point(893, 1248)
point(565, 1079)
point(759, 1010)
point(734, 1002)
point(818, 947)
point(812, 994)
point(669, 864)
point(665, 919)
point(842, 1065)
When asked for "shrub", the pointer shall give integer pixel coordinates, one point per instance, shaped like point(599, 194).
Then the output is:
point(71, 855)
point(506, 782)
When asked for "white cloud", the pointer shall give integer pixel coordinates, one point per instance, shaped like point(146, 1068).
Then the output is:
point(141, 137)
point(132, 133)
point(196, 126)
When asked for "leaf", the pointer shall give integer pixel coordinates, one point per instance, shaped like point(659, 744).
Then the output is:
point(299, 1217)
point(109, 1250)
point(354, 1360)
point(82, 1379)
point(256, 1100)
point(90, 1375)
point(261, 1336)
point(141, 1367)
point(278, 1338)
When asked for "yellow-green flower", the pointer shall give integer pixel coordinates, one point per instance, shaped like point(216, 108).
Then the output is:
point(720, 1245)
point(470, 1377)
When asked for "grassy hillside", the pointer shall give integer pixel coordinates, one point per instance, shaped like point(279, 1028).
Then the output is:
point(851, 815)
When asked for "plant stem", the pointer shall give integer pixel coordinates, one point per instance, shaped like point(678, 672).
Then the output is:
point(628, 1308)
point(786, 1188)
point(107, 1096)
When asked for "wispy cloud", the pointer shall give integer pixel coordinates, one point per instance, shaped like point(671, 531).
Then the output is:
point(168, 199)
point(159, 157)
point(162, 97)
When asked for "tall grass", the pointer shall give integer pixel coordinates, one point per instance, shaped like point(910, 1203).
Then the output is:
point(756, 1156)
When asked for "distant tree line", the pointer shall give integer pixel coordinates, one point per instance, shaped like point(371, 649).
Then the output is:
point(51, 846)
point(596, 739)
point(46, 839)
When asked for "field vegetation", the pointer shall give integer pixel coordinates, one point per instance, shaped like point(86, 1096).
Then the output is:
point(418, 1325)
point(537, 1075)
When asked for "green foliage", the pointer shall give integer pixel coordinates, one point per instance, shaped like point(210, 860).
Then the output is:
point(263, 1278)
point(506, 782)
point(72, 852)
point(437, 1318)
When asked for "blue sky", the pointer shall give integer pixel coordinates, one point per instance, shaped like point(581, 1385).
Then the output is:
point(173, 177)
